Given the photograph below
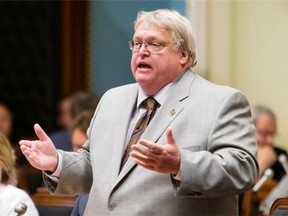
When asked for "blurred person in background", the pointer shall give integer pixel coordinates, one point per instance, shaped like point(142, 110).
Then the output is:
point(29, 178)
point(61, 138)
point(280, 191)
point(10, 195)
point(268, 158)
point(79, 137)
point(82, 101)
point(6, 128)
point(6, 120)
point(266, 128)
point(79, 128)
point(69, 107)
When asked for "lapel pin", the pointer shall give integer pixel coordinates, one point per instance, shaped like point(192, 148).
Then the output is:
point(172, 112)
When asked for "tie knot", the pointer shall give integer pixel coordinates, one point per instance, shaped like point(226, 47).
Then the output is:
point(150, 103)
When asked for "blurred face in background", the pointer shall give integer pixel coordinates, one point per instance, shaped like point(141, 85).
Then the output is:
point(78, 138)
point(5, 121)
point(265, 129)
point(65, 117)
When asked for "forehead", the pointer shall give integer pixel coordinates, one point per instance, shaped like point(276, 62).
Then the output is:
point(149, 30)
point(4, 110)
point(266, 121)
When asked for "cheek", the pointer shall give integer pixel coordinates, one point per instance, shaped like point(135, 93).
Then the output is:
point(171, 62)
point(259, 139)
point(133, 63)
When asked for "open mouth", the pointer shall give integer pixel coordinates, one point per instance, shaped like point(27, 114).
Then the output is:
point(144, 65)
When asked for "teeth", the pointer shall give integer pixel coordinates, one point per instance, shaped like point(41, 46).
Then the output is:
point(144, 66)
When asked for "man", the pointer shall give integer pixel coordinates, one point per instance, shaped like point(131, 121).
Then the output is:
point(268, 154)
point(69, 107)
point(266, 126)
point(79, 127)
point(196, 154)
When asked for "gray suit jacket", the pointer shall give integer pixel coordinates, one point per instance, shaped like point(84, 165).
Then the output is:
point(214, 131)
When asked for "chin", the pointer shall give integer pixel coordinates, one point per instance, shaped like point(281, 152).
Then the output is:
point(143, 77)
point(143, 82)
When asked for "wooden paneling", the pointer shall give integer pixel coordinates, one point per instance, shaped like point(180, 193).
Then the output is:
point(43, 56)
point(74, 46)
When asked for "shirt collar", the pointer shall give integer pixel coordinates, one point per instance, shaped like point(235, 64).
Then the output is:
point(159, 97)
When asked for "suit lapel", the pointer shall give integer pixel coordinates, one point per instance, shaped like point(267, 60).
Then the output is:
point(129, 100)
point(168, 111)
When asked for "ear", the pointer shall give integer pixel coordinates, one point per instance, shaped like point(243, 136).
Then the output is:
point(184, 56)
point(1, 170)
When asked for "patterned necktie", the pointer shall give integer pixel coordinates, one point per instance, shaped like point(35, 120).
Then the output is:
point(142, 123)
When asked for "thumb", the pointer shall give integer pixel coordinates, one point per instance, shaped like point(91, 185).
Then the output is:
point(40, 133)
point(169, 137)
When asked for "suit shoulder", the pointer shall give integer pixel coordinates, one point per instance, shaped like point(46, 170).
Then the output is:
point(215, 89)
point(120, 90)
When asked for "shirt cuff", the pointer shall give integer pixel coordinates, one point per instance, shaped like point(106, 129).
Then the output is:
point(177, 176)
point(56, 174)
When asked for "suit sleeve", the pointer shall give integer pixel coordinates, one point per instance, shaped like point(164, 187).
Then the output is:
point(228, 165)
point(76, 168)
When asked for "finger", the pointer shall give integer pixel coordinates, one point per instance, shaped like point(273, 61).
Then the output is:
point(169, 136)
point(40, 133)
point(25, 143)
point(142, 155)
point(26, 151)
point(150, 146)
point(24, 148)
point(144, 143)
point(140, 149)
point(143, 164)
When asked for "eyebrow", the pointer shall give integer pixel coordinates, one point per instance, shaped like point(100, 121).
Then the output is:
point(149, 38)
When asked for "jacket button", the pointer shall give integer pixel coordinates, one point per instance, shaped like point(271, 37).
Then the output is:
point(111, 206)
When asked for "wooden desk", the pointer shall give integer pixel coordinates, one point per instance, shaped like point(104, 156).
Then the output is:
point(252, 199)
point(43, 197)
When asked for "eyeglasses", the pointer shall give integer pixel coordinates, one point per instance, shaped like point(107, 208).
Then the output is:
point(266, 133)
point(152, 47)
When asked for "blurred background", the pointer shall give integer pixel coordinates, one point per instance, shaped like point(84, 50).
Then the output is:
point(50, 49)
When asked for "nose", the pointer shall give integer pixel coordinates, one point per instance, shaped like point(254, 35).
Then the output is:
point(143, 47)
point(269, 139)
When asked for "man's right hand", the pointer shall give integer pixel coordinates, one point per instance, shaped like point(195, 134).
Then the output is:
point(41, 153)
point(266, 156)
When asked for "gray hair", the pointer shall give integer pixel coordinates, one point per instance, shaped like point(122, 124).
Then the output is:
point(178, 25)
point(259, 109)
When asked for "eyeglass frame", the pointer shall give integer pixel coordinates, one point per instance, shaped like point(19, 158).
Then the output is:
point(266, 133)
point(161, 45)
